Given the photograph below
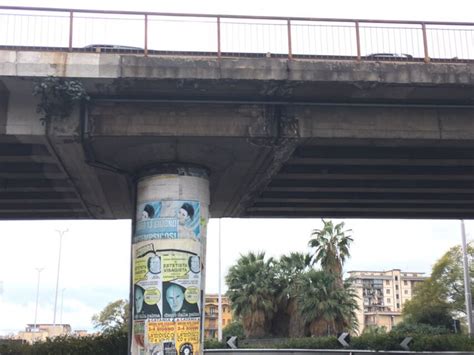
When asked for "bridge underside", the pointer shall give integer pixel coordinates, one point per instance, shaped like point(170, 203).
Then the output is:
point(360, 179)
point(319, 146)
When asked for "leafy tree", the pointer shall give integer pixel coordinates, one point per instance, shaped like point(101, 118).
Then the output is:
point(332, 244)
point(251, 290)
point(327, 309)
point(429, 306)
point(114, 317)
point(441, 297)
point(447, 274)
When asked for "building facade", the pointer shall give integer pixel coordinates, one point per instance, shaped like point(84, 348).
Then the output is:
point(382, 295)
point(211, 315)
point(41, 332)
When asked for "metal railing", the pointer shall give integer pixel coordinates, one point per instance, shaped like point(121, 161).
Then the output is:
point(234, 36)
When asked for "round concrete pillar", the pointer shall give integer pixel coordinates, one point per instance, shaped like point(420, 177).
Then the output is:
point(168, 258)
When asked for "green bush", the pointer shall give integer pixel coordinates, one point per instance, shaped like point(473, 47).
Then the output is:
point(114, 343)
point(234, 329)
point(117, 344)
point(377, 342)
point(311, 343)
point(409, 329)
point(214, 344)
point(442, 343)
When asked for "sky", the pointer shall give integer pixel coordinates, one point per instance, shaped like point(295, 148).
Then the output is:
point(95, 254)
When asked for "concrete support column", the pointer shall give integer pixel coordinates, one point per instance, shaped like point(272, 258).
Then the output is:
point(168, 258)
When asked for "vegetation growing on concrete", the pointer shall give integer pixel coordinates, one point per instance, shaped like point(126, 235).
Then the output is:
point(57, 97)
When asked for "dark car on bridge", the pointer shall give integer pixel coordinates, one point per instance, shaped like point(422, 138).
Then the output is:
point(389, 56)
point(111, 48)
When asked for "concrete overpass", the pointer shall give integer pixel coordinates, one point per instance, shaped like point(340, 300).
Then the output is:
point(280, 137)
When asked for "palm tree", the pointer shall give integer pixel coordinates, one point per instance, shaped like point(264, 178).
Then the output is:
point(332, 248)
point(289, 270)
point(328, 310)
point(252, 293)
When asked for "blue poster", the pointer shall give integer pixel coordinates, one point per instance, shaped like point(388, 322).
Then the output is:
point(168, 220)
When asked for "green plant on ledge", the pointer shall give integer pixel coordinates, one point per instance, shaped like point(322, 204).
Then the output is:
point(57, 97)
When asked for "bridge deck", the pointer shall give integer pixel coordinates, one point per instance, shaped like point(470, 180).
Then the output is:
point(280, 137)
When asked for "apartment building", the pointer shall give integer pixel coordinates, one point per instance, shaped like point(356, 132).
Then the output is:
point(382, 294)
point(211, 315)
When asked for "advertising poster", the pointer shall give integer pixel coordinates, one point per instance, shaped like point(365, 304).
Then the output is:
point(147, 282)
point(179, 219)
point(181, 284)
point(139, 332)
point(166, 281)
point(187, 336)
point(173, 337)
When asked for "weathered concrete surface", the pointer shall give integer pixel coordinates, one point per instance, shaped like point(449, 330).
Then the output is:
point(280, 138)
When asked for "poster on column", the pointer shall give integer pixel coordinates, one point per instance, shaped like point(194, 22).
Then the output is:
point(167, 281)
point(173, 337)
point(147, 282)
point(177, 219)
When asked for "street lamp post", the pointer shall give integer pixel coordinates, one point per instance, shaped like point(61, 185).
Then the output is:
point(62, 304)
point(467, 281)
point(38, 269)
point(61, 233)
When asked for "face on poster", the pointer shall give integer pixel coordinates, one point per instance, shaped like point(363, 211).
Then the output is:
point(179, 219)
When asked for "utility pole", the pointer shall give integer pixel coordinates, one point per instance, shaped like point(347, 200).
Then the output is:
point(38, 269)
point(61, 233)
point(62, 304)
point(467, 281)
point(219, 307)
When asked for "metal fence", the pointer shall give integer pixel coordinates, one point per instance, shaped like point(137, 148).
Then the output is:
point(234, 36)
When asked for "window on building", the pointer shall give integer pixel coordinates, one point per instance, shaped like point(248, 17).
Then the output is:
point(387, 291)
point(397, 296)
point(398, 305)
point(389, 300)
point(405, 283)
point(387, 282)
point(396, 287)
point(396, 278)
point(406, 292)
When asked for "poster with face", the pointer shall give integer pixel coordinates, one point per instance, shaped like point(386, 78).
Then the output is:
point(166, 281)
point(179, 219)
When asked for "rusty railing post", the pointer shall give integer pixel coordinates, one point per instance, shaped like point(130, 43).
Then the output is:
point(290, 53)
point(219, 38)
point(145, 47)
point(425, 43)
point(358, 40)
point(71, 17)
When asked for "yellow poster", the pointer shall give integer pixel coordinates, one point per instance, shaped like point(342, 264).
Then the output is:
point(175, 266)
point(160, 331)
point(187, 336)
